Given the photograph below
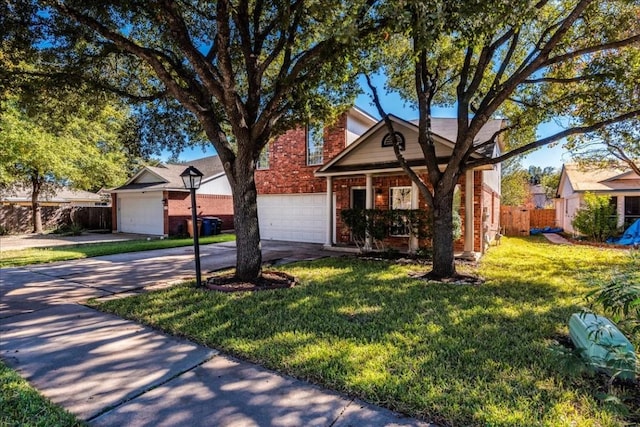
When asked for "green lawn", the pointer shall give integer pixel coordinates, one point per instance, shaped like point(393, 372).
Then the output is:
point(64, 253)
point(22, 405)
point(453, 354)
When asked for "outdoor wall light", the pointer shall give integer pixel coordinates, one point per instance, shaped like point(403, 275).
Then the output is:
point(191, 178)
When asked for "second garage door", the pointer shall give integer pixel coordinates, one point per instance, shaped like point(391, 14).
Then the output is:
point(293, 217)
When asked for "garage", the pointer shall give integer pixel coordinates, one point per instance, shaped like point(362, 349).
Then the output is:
point(293, 217)
point(141, 213)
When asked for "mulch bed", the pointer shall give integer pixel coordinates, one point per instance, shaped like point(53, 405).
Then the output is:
point(268, 280)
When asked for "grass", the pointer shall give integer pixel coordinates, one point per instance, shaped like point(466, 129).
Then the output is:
point(453, 354)
point(23, 257)
point(22, 405)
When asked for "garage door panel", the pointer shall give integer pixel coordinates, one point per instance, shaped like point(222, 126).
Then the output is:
point(141, 214)
point(293, 217)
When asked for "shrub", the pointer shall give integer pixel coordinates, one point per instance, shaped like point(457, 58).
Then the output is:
point(597, 219)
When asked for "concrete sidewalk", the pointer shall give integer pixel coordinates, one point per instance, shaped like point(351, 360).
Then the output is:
point(114, 372)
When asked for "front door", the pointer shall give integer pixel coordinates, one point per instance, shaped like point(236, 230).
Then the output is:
point(358, 198)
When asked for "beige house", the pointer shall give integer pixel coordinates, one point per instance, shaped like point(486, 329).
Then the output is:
point(620, 183)
point(60, 197)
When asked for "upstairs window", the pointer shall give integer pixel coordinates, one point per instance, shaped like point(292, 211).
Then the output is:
point(315, 144)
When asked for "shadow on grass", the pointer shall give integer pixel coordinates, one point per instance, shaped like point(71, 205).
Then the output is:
point(446, 353)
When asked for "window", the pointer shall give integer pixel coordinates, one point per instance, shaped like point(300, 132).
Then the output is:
point(263, 160)
point(315, 143)
point(631, 210)
point(399, 199)
point(387, 140)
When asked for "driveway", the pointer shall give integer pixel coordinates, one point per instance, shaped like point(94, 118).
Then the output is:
point(26, 241)
point(114, 372)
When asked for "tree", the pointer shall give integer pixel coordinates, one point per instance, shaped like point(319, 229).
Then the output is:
point(515, 183)
point(45, 148)
point(236, 70)
point(597, 217)
point(526, 62)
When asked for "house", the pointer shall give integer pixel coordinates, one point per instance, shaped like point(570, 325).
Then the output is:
point(619, 183)
point(306, 180)
point(154, 201)
point(538, 198)
point(60, 197)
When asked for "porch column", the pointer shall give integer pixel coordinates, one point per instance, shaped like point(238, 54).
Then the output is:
point(368, 244)
point(468, 216)
point(329, 213)
point(415, 193)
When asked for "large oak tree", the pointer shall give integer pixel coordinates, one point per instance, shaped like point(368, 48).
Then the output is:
point(527, 62)
point(242, 71)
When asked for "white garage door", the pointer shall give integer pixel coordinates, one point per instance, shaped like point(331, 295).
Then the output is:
point(141, 213)
point(293, 217)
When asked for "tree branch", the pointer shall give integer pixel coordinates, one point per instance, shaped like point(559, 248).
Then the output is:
point(553, 138)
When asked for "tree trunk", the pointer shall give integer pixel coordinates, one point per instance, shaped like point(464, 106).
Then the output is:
point(36, 212)
point(443, 260)
point(245, 220)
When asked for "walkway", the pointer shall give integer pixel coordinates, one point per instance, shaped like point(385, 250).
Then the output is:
point(556, 238)
point(115, 372)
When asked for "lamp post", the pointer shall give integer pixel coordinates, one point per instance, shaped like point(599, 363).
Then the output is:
point(191, 178)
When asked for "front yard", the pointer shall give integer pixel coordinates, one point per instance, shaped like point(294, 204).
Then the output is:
point(452, 354)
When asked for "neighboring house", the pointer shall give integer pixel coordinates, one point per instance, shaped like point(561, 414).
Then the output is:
point(621, 184)
point(155, 202)
point(304, 182)
point(61, 197)
point(538, 198)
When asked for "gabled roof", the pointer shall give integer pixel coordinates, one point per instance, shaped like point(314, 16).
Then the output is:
point(62, 195)
point(444, 132)
point(167, 176)
point(612, 179)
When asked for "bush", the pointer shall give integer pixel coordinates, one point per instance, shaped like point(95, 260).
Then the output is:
point(69, 230)
point(597, 219)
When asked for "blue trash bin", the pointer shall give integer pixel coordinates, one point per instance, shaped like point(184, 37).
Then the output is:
point(207, 226)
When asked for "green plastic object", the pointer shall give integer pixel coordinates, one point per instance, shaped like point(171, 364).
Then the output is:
point(603, 345)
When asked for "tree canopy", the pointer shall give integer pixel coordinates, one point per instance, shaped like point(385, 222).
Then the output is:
point(232, 72)
point(526, 62)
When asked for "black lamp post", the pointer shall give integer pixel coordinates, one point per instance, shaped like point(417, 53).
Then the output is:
point(191, 178)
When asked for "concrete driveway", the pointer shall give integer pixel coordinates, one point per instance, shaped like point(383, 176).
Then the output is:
point(114, 372)
point(26, 241)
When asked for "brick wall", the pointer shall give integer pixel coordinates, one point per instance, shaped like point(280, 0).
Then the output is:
point(179, 210)
point(288, 172)
point(381, 185)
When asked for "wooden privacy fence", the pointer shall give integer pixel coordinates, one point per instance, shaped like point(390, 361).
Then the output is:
point(17, 219)
point(518, 220)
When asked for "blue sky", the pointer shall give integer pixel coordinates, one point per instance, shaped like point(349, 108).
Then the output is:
point(392, 103)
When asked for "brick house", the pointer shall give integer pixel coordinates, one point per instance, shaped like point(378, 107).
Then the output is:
point(154, 201)
point(308, 176)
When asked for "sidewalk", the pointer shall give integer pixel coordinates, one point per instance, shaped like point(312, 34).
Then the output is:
point(115, 372)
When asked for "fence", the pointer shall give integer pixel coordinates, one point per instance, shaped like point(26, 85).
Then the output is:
point(517, 220)
point(17, 219)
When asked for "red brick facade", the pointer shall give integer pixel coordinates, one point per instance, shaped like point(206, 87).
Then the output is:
point(343, 190)
point(179, 210)
point(288, 172)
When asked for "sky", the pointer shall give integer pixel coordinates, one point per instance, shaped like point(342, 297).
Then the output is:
point(547, 156)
